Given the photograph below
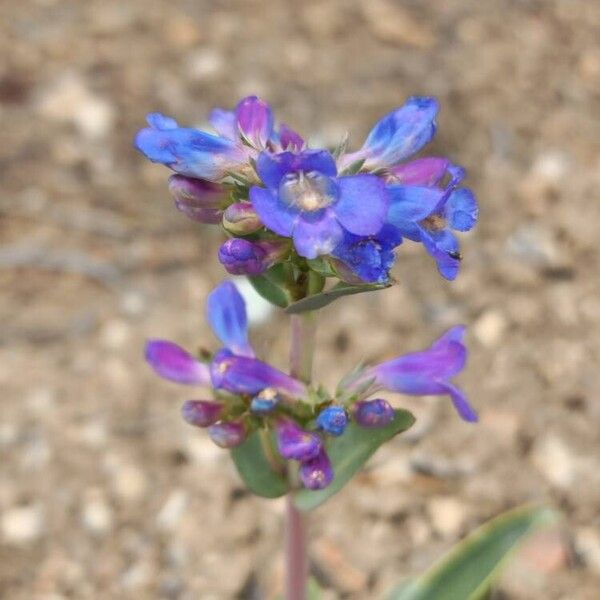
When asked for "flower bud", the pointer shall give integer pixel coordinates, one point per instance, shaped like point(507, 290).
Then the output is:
point(295, 443)
point(254, 120)
point(423, 171)
point(201, 413)
point(373, 413)
point(316, 473)
point(243, 257)
point(241, 219)
point(228, 434)
point(265, 401)
point(333, 420)
point(197, 199)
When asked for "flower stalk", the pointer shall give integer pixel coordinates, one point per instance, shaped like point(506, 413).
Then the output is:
point(302, 328)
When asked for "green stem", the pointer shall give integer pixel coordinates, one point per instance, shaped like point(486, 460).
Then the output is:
point(301, 359)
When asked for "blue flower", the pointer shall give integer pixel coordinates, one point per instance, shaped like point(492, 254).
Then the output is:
point(448, 208)
point(425, 373)
point(400, 134)
point(373, 413)
point(234, 368)
point(189, 151)
point(316, 473)
point(295, 443)
point(333, 420)
point(367, 258)
point(305, 200)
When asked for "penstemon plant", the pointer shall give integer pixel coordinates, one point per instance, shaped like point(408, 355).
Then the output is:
point(307, 227)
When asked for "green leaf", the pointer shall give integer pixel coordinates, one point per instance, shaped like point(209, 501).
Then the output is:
point(272, 286)
point(256, 470)
point(472, 566)
point(349, 452)
point(327, 297)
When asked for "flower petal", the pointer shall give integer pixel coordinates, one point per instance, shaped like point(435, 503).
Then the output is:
point(317, 234)
point(275, 215)
point(223, 122)
point(272, 168)
point(244, 375)
point(443, 247)
point(316, 473)
point(401, 133)
point(425, 372)
point(426, 171)
point(227, 316)
point(254, 119)
point(461, 404)
point(362, 204)
point(411, 202)
point(172, 362)
point(161, 122)
point(190, 152)
point(289, 139)
point(462, 210)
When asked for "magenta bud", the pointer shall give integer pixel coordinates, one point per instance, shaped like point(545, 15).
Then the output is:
point(426, 171)
point(254, 119)
point(243, 257)
point(373, 413)
point(228, 434)
point(295, 443)
point(197, 199)
point(241, 219)
point(316, 473)
point(201, 413)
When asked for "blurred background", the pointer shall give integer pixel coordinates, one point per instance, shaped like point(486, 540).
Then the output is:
point(104, 491)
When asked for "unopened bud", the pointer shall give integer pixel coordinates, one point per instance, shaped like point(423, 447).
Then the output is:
point(228, 434)
point(241, 219)
point(201, 413)
point(373, 413)
point(198, 199)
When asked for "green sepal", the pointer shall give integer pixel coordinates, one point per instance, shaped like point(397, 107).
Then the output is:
point(255, 469)
point(471, 567)
point(349, 452)
point(328, 296)
point(273, 286)
point(354, 167)
point(322, 266)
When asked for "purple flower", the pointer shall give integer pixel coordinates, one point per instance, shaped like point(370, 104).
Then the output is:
point(202, 413)
point(373, 413)
point(243, 375)
point(367, 258)
point(295, 443)
point(228, 434)
point(240, 218)
point(447, 208)
point(316, 473)
point(333, 420)
point(234, 368)
point(305, 200)
point(289, 139)
point(197, 199)
point(400, 134)
point(254, 119)
point(189, 151)
point(243, 257)
point(175, 364)
point(426, 373)
point(265, 401)
point(426, 171)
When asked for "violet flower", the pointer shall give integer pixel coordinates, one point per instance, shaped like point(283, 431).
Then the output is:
point(316, 473)
point(233, 368)
point(373, 413)
point(398, 135)
point(425, 373)
point(294, 443)
point(244, 257)
point(305, 200)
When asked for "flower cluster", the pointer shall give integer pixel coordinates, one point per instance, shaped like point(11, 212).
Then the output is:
point(335, 214)
point(250, 396)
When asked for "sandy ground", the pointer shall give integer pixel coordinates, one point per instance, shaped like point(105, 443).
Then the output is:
point(104, 492)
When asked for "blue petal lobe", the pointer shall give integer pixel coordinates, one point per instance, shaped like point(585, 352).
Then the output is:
point(317, 235)
point(362, 205)
point(275, 215)
point(227, 316)
point(411, 202)
point(462, 210)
